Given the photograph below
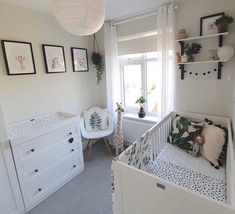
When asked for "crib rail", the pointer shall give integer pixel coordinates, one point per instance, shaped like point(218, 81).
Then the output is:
point(147, 148)
point(158, 135)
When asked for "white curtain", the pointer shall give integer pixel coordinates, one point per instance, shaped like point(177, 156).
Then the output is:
point(166, 56)
point(112, 67)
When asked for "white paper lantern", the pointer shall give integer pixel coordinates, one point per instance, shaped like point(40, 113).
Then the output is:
point(225, 52)
point(79, 17)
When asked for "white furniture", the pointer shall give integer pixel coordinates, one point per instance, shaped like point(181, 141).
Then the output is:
point(94, 135)
point(48, 153)
point(11, 201)
point(136, 191)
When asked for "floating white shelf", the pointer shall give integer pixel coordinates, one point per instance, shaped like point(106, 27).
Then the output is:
point(202, 37)
point(201, 62)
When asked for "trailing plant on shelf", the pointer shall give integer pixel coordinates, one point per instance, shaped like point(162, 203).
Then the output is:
point(97, 60)
point(141, 100)
point(191, 49)
point(223, 22)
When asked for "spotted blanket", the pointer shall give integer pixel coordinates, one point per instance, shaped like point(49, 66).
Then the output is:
point(195, 181)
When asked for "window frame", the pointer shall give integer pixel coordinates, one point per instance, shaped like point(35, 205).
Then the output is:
point(143, 60)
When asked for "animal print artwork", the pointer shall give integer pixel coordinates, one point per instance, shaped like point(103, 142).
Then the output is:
point(21, 60)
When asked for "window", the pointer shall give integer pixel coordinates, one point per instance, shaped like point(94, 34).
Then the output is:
point(141, 77)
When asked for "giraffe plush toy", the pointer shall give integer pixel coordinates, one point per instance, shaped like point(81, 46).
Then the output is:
point(118, 136)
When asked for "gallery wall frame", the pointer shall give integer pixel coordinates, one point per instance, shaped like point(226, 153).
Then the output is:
point(79, 59)
point(207, 25)
point(18, 57)
point(54, 58)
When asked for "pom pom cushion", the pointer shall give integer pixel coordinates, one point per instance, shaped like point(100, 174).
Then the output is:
point(222, 157)
point(96, 120)
point(214, 138)
point(183, 133)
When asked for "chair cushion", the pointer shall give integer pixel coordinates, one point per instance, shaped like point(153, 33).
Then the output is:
point(96, 120)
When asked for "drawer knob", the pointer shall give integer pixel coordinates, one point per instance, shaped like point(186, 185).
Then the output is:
point(72, 150)
point(70, 133)
point(39, 190)
point(32, 150)
point(74, 166)
point(71, 140)
point(36, 170)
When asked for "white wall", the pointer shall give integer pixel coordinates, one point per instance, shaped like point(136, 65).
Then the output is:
point(204, 94)
point(133, 129)
point(25, 96)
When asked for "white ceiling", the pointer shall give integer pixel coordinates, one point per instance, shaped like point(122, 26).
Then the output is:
point(115, 9)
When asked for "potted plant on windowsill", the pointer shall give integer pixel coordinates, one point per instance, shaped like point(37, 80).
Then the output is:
point(141, 112)
point(223, 22)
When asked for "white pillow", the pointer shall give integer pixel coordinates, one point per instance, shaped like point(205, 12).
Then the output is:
point(96, 120)
point(214, 138)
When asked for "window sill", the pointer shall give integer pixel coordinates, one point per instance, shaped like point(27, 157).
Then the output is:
point(146, 119)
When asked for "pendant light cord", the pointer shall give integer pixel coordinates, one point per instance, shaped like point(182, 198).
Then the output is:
point(95, 44)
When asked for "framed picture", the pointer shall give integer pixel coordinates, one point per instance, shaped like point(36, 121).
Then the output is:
point(79, 59)
point(18, 57)
point(207, 25)
point(54, 58)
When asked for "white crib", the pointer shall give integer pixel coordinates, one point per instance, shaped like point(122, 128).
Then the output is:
point(138, 192)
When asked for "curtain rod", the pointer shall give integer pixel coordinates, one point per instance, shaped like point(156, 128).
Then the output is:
point(138, 17)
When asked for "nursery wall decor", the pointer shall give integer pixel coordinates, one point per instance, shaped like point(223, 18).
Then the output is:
point(184, 47)
point(54, 58)
point(97, 60)
point(207, 24)
point(18, 57)
point(79, 59)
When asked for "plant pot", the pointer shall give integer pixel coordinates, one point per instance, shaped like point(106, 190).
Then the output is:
point(96, 58)
point(141, 113)
point(190, 58)
point(222, 28)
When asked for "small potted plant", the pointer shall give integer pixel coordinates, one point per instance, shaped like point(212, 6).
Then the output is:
point(194, 48)
point(141, 112)
point(223, 22)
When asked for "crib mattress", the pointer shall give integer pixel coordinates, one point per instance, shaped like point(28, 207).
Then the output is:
point(196, 174)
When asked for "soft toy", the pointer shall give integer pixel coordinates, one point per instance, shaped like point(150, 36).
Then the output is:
point(197, 142)
point(118, 136)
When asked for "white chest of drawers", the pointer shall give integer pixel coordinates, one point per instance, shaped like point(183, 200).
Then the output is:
point(48, 153)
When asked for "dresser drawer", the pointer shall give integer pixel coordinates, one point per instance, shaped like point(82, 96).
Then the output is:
point(33, 149)
point(42, 185)
point(36, 167)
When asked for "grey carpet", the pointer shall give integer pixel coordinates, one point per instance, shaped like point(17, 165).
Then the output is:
point(88, 193)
